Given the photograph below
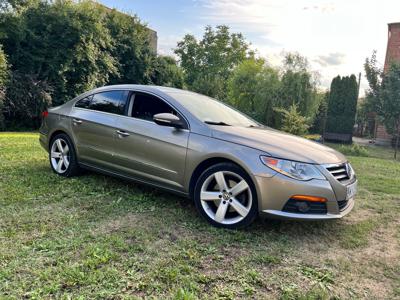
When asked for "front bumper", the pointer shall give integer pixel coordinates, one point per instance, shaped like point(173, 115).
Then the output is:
point(278, 214)
point(275, 192)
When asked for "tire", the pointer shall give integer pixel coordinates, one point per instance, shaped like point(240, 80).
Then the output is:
point(63, 161)
point(222, 201)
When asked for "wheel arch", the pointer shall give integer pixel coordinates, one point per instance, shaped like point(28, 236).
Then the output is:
point(61, 131)
point(205, 164)
point(56, 132)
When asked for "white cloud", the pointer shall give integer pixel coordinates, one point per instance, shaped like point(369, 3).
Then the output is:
point(332, 59)
point(336, 36)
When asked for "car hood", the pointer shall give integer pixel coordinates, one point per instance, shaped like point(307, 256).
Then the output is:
point(278, 144)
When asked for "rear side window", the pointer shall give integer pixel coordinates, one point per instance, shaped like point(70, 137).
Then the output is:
point(146, 106)
point(84, 103)
point(111, 102)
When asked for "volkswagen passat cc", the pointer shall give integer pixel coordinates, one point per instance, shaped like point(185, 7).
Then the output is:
point(231, 166)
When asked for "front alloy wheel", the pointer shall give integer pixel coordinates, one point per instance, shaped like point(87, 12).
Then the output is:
point(225, 196)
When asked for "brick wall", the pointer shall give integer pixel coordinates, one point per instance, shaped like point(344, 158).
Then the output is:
point(392, 54)
point(393, 46)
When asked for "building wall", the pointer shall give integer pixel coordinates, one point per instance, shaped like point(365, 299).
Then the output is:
point(153, 39)
point(393, 46)
point(392, 55)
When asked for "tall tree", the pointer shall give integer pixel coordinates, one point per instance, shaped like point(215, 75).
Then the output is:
point(254, 89)
point(68, 47)
point(166, 72)
point(374, 75)
point(299, 85)
point(342, 105)
point(209, 62)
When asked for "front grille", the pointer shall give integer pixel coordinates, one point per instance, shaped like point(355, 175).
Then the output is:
point(316, 208)
point(339, 172)
point(342, 204)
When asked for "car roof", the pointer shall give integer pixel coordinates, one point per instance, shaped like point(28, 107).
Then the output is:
point(150, 88)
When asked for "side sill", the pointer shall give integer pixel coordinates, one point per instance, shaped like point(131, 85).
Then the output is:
point(129, 178)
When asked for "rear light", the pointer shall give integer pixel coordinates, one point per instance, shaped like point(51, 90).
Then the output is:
point(45, 114)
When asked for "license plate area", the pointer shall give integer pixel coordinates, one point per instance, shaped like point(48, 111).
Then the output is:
point(351, 190)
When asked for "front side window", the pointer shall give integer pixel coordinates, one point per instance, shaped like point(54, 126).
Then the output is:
point(110, 102)
point(146, 106)
point(84, 103)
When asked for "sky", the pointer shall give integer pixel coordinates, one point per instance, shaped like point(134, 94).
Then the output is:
point(335, 36)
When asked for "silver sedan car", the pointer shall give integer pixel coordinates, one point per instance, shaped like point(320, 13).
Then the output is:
point(232, 167)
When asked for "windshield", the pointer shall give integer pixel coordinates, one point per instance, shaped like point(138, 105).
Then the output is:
point(212, 111)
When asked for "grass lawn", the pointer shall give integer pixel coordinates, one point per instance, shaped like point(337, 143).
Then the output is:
point(94, 236)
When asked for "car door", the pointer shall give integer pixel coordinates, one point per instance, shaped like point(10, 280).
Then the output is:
point(93, 124)
point(149, 151)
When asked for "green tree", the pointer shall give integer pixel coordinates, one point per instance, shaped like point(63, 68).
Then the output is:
point(70, 50)
point(209, 62)
point(130, 49)
point(293, 122)
point(390, 102)
point(374, 77)
point(69, 47)
point(319, 121)
point(254, 89)
point(342, 105)
point(299, 85)
point(167, 72)
point(362, 116)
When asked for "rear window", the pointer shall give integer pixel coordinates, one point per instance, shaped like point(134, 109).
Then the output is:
point(111, 102)
point(84, 103)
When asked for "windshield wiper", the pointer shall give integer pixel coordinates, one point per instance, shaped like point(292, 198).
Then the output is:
point(216, 123)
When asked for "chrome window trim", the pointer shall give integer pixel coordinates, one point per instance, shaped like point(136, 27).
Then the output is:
point(120, 116)
point(133, 90)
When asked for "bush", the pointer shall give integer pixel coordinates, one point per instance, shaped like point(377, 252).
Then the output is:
point(26, 98)
point(354, 150)
point(3, 81)
point(293, 122)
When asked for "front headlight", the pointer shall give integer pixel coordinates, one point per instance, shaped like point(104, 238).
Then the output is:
point(293, 169)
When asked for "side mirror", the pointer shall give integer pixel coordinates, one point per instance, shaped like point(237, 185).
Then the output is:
point(167, 119)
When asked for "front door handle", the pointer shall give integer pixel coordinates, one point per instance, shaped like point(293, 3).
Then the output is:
point(77, 122)
point(122, 133)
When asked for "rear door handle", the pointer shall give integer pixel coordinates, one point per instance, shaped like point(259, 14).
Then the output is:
point(76, 121)
point(122, 133)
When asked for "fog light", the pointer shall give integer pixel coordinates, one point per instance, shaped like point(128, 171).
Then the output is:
point(302, 206)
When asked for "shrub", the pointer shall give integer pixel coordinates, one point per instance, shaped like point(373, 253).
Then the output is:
point(26, 98)
point(354, 150)
point(3, 80)
point(293, 122)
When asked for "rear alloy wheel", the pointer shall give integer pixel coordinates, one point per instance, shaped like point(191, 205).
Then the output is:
point(62, 156)
point(226, 197)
